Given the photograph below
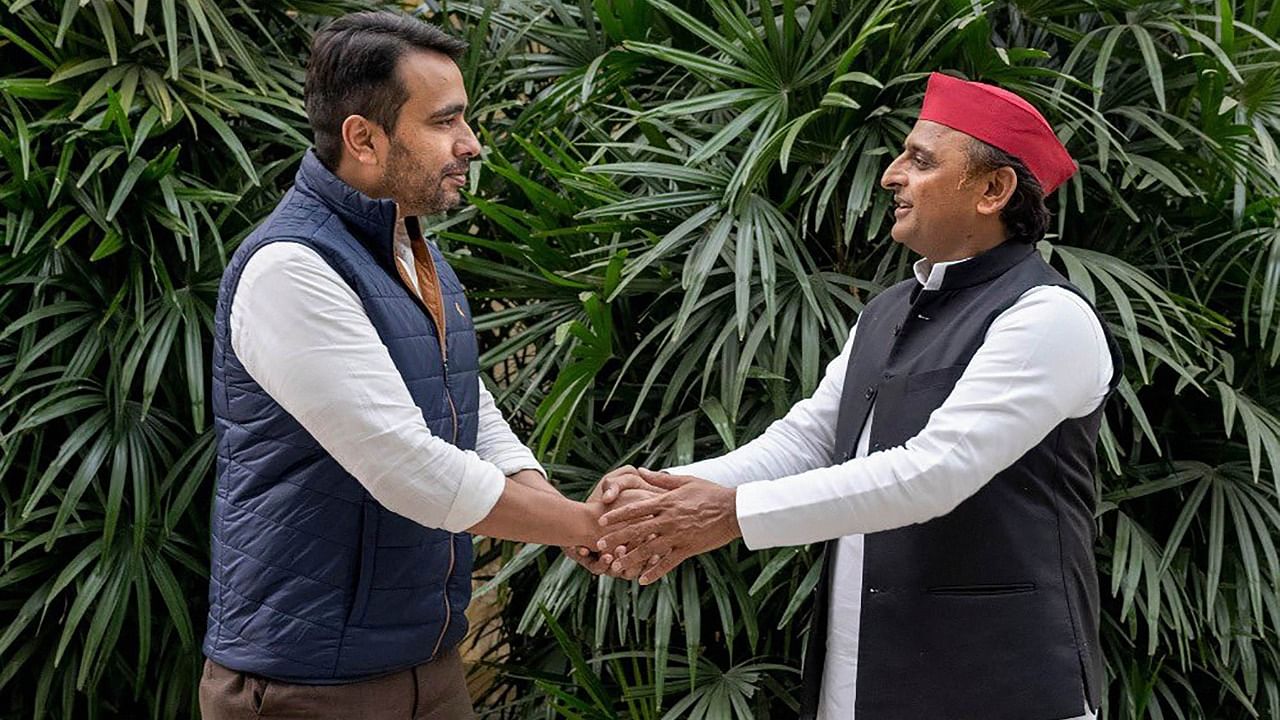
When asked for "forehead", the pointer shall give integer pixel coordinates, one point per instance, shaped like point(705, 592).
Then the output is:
point(936, 138)
point(431, 79)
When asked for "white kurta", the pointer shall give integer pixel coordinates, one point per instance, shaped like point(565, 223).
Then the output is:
point(302, 334)
point(1043, 360)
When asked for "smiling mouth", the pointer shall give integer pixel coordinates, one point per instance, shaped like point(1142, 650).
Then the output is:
point(900, 208)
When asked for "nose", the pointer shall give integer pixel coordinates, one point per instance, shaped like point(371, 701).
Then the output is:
point(468, 146)
point(894, 177)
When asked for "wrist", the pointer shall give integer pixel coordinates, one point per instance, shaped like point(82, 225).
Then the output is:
point(585, 525)
point(731, 519)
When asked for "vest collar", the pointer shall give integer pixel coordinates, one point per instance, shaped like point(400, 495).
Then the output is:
point(930, 274)
point(370, 221)
point(970, 271)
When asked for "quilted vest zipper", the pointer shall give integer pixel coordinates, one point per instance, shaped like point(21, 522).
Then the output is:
point(429, 281)
point(448, 608)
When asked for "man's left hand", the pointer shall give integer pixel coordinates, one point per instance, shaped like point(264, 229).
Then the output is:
point(651, 537)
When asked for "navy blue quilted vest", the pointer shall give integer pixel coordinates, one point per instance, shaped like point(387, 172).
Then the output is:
point(312, 580)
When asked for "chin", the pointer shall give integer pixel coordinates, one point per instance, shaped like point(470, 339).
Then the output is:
point(445, 199)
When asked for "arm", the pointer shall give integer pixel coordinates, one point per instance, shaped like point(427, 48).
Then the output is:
point(801, 440)
point(302, 334)
point(520, 516)
point(528, 513)
point(1043, 360)
point(496, 443)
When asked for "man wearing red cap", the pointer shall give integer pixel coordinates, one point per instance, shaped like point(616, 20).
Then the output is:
point(946, 457)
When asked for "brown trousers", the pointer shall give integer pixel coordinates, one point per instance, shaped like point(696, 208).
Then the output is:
point(432, 691)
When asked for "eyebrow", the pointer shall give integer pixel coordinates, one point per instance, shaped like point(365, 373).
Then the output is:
point(449, 111)
point(914, 147)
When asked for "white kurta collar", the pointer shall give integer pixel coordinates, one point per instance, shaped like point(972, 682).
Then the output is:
point(930, 274)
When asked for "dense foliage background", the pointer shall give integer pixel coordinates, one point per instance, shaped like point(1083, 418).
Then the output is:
point(676, 223)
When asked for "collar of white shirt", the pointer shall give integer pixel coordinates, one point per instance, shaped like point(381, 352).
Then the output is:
point(930, 274)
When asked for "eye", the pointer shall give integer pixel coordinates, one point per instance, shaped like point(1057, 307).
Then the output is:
point(919, 161)
point(448, 122)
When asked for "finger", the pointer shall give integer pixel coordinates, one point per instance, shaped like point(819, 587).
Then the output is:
point(615, 486)
point(649, 552)
point(662, 567)
point(632, 511)
point(663, 480)
point(619, 472)
point(631, 496)
point(626, 570)
point(648, 546)
point(629, 535)
point(621, 550)
point(643, 557)
point(616, 573)
point(586, 561)
point(598, 566)
point(607, 480)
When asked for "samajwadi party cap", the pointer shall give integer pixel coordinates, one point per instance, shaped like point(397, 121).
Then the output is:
point(1000, 119)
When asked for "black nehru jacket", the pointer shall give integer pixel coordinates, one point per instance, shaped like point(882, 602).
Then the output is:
point(990, 611)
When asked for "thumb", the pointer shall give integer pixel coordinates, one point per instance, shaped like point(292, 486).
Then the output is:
point(663, 480)
point(613, 485)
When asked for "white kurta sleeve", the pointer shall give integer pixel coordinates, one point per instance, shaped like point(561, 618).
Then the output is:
point(1044, 360)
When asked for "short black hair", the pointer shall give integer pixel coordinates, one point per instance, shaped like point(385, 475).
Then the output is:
point(352, 71)
point(1025, 218)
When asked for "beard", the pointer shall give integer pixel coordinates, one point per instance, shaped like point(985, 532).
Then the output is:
point(416, 188)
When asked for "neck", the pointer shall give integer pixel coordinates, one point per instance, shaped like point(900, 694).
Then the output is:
point(350, 174)
point(967, 247)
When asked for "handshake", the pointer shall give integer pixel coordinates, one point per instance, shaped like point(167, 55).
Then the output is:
point(646, 523)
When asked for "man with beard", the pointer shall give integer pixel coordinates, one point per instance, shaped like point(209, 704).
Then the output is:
point(356, 442)
point(946, 458)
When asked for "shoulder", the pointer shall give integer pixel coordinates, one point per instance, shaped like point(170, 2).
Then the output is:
point(285, 269)
point(1059, 303)
point(1058, 309)
point(292, 241)
point(283, 259)
point(1059, 326)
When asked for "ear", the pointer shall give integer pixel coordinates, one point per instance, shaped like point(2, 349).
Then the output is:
point(997, 188)
point(365, 142)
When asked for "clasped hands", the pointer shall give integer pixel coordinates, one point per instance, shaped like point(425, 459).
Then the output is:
point(650, 522)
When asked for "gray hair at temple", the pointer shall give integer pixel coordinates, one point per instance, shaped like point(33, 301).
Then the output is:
point(1025, 218)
